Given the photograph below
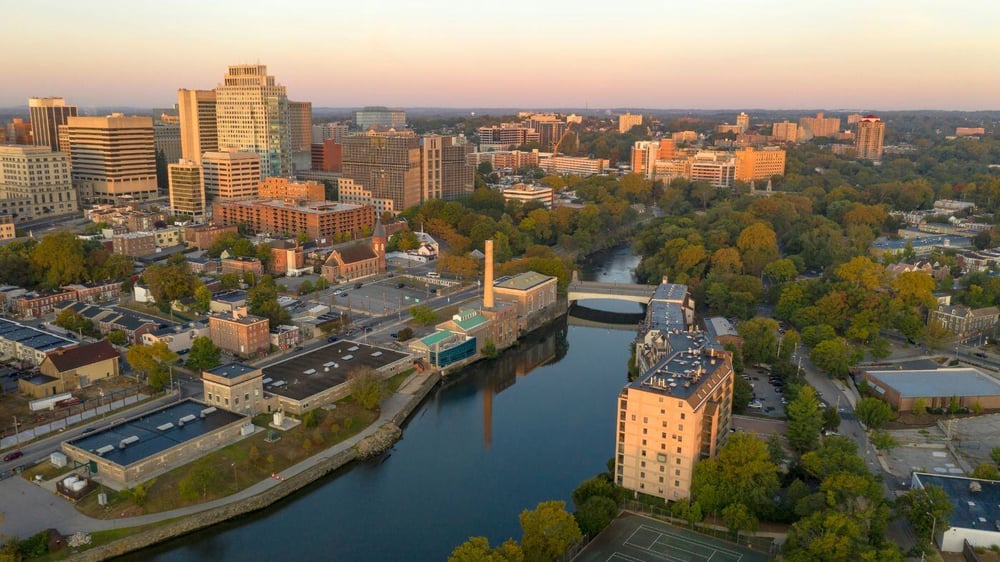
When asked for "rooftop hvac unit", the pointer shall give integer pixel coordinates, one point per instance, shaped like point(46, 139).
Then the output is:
point(187, 418)
point(328, 364)
point(208, 410)
point(166, 426)
point(347, 358)
point(128, 441)
point(279, 384)
point(105, 449)
point(267, 380)
point(352, 348)
point(309, 372)
point(377, 354)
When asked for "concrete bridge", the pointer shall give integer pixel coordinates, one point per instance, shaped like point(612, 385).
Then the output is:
point(583, 290)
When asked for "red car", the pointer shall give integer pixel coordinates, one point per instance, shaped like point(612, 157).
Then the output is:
point(12, 456)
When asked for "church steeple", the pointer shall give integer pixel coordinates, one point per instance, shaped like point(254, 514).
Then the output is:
point(379, 238)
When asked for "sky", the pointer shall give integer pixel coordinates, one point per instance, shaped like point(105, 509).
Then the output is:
point(669, 54)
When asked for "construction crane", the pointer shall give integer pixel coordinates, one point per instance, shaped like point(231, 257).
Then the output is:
point(555, 149)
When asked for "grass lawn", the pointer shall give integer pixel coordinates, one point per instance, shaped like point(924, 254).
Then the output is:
point(393, 383)
point(235, 467)
point(155, 312)
point(99, 538)
point(46, 470)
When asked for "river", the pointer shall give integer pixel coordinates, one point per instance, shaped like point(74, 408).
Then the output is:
point(487, 444)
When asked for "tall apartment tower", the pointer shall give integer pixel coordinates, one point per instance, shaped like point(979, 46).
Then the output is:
point(252, 115)
point(387, 164)
point(785, 131)
point(871, 133)
point(644, 155)
point(187, 189)
point(35, 182)
point(818, 126)
point(626, 121)
point(300, 123)
point(112, 156)
point(444, 172)
point(743, 122)
point(199, 126)
point(759, 164)
point(46, 116)
point(231, 175)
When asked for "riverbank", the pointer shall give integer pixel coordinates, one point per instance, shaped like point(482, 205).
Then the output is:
point(394, 412)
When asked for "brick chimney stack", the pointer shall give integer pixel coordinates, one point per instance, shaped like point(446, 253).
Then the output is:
point(488, 277)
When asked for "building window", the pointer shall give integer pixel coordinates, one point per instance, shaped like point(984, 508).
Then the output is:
point(678, 450)
point(677, 483)
point(644, 431)
point(677, 472)
point(682, 415)
point(678, 461)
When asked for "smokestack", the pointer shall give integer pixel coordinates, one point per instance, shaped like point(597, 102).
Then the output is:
point(488, 277)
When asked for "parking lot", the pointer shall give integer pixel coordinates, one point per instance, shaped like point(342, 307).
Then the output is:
point(765, 394)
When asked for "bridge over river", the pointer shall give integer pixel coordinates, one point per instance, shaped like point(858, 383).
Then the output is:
point(583, 290)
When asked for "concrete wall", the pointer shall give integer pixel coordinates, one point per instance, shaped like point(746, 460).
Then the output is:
point(951, 540)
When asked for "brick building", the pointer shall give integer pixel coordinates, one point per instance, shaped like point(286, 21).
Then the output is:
point(357, 260)
point(282, 188)
point(134, 244)
point(203, 236)
point(240, 265)
point(240, 333)
point(40, 303)
point(323, 221)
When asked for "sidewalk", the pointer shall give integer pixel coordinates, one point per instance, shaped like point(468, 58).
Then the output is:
point(37, 509)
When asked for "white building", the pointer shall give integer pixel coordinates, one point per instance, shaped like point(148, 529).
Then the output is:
point(37, 180)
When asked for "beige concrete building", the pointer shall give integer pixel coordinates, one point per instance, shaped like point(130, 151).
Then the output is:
point(235, 387)
point(187, 189)
point(674, 415)
point(743, 122)
point(82, 365)
point(530, 293)
point(871, 133)
point(199, 127)
point(353, 193)
point(575, 165)
point(37, 180)
point(46, 116)
point(936, 387)
point(252, 115)
point(529, 193)
point(240, 333)
point(112, 156)
point(786, 131)
point(231, 175)
point(388, 164)
point(505, 136)
point(818, 126)
point(627, 120)
point(753, 164)
point(134, 244)
point(444, 172)
point(7, 230)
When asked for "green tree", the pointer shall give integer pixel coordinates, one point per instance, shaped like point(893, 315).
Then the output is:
point(758, 245)
point(490, 349)
point(742, 394)
point(596, 486)
point(738, 518)
point(423, 315)
point(549, 531)
point(117, 337)
point(926, 508)
point(71, 320)
point(835, 454)
point(883, 441)
point(229, 281)
point(831, 418)
point(741, 472)
point(595, 514)
point(986, 471)
point(367, 387)
point(202, 298)
point(59, 260)
point(200, 478)
point(995, 455)
point(169, 282)
point(153, 361)
point(760, 340)
point(262, 300)
point(805, 420)
point(873, 412)
point(834, 356)
point(204, 354)
point(477, 549)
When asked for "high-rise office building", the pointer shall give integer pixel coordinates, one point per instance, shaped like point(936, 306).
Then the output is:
point(626, 121)
point(300, 123)
point(443, 168)
point(167, 139)
point(379, 118)
point(19, 131)
point(36, 181)
point(252, 115)
point(112, 156)
point(743, 122)
point(199, 126)
point(46, 115)
point(785, 131)
point(335, 131)
point(387, 164)
point(505, 136)
point(550, 129)
point(871, 133)
point(818, 126)
point(231, 175)
point(759, 164)
point(187, 189)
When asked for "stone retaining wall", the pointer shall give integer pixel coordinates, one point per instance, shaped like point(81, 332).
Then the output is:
point(260, 501)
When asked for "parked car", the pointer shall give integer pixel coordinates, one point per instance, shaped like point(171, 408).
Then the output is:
point(299, 348)
point(13, 455)
point(332, 339)
point(358, 285)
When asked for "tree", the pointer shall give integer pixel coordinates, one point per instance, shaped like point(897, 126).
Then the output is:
point(835, 454)
point(873, 412)
point(423, 315)
point(760, 340)
point(738, 518)
point(595, 514)
point(741, 472)
point(71, 320)
point(549, 531)
point(834, 356)
point(59, 260)
point(759, 246)
point(404, 334)
point(926, 508)
point(117, 337)
point(229, 281)
point(995, 455)
point(169, 282)
point(151, 360)
point(477, 549)
point(805, 420)
point(986, 471)
point(490, 349)
point(831, 418)
point(596, 486)
point(201, 477)
point(367, 387)
point(262, 300)
point(204, 354)
point(202, 298)
point(919, 406)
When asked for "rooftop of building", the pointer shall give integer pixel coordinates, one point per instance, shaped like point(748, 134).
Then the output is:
point(670, 292)
point(971, 509)
point(31, 337)
point(962, 381)
point(155, 432)
point(522, 281)
point(231, 370)
point(683, 372)
point(951, 240)
point(717, 326)
point(666, 316)
point(248, 319)
point(436, 338)
point(313, 207)
point(306, 374)
point(230, 296)
point(469, 319)
point(70, 358)
point(244, 259)
point(355, 252)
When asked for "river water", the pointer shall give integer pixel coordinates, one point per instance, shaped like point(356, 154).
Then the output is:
point(485, 445)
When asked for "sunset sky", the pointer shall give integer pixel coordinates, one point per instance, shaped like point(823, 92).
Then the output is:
point(791, 54)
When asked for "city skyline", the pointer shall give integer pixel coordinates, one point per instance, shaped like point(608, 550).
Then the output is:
point(777, 54)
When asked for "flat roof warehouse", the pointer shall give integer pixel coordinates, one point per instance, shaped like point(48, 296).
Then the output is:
point(149, 435)
point(308, 374)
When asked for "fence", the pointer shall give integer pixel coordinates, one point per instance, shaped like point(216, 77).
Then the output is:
point(761, 544)
point(969, 552)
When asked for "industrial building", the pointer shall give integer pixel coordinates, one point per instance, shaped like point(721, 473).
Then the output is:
point(975, 515)
point(937, 387)
point(138, 449)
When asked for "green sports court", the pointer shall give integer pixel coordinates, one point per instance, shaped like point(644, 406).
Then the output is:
point(636, 538)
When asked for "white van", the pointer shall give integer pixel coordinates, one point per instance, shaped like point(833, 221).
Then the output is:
point(433, 274)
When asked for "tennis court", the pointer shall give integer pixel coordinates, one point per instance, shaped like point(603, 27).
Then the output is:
point(635, 538)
